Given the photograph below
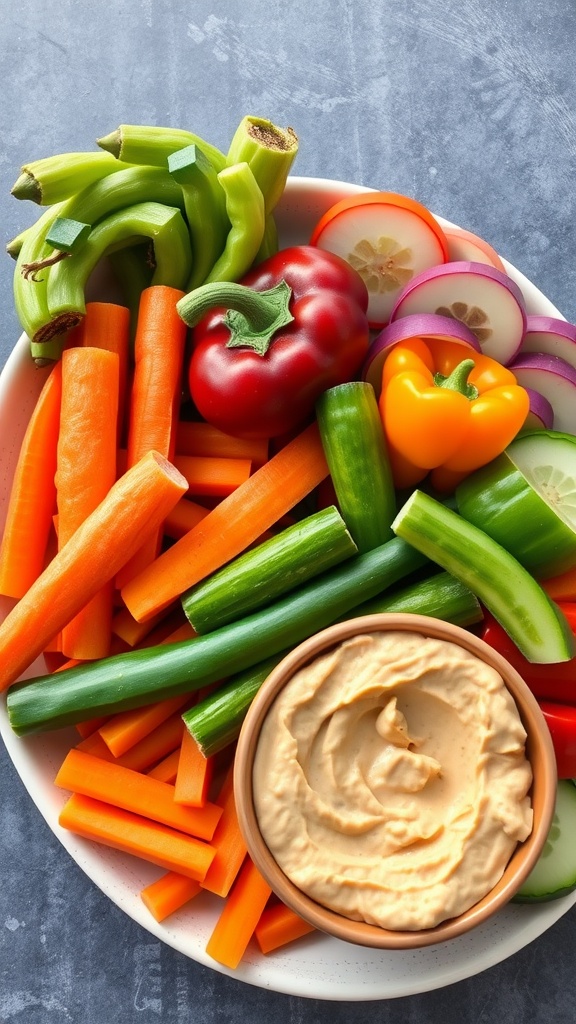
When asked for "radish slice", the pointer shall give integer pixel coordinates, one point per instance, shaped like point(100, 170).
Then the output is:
point(465, 245)
point(552, 336)
point(428, 326)
point(541, 413)
point(387, 238)
point(489, 302)
point(555, 379)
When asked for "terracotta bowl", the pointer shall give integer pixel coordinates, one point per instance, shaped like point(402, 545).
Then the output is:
point(539, 751)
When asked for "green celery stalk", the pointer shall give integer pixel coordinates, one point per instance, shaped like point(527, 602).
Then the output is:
point(506, 588)
point(54, 178)
point(139, 677)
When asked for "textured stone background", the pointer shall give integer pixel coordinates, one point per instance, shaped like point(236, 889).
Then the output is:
point(467, 105)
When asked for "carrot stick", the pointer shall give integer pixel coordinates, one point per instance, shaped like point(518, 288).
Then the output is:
point(90, 726)
point(167, 768)
point(183, 517)
point(155, 395)
point(136, 504)
point(214, 478)
point(86, 470)
point(228, 843)
point(194, 774)
point(124, 625)
point(278, 926)
point(32, 499)
point(130, 833)
point(168, 893)
point(165, 738)
point(239, 917)
point(200, 438)
point(124, 730)
point(107, 325)
point(132, 791)
point(235, 523)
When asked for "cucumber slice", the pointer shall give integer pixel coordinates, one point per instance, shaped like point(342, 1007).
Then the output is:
point(355, 448)
point(526, 501)
point(516, 600)
point(554, 874)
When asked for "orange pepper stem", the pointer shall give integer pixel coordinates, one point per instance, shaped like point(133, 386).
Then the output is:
point(458, 380)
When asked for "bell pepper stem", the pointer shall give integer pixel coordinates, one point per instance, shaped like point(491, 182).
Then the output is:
point(252, 317)
point(458, 380)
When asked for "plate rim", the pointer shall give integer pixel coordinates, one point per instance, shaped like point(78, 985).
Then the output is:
point(95, 861)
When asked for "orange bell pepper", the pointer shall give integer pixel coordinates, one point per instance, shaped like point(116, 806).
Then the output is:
point(447, 410)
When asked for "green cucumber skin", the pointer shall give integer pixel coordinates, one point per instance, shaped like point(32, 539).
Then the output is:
point(131, 680)
point(532, 620)
point(259, 576)
point(499, 500)
point(355, 449)
point(215, 722)
point(542, 886)
point(441, 597)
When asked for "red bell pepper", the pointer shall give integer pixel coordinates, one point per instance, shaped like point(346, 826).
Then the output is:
point(561, 720)
point(547, 682)
point(264, 350)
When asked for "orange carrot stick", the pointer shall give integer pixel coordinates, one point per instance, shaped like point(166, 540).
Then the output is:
point(199, 438)
point(215, 478)
point(239, 917)
point(90, 726)
point(183, 517)
point(235, 523)
point(194, 774)
point(278, 926)
point(32, 497)
point(165, 738)
point(86, 470)
point(124, 625)
point(228, 843)
point(156, 391)
point(130, 833)
point(132, 791)
point(136, 504)
point(123, 730)
point(167, 768)
point(107, 325)
point(168, 893)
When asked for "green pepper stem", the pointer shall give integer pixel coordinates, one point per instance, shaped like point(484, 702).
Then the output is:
point(252, 317)
point(458, 380)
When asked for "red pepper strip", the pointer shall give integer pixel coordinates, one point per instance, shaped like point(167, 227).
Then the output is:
point(555, 682)
point(561, 720)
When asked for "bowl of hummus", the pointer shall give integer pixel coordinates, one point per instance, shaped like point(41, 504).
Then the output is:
point(395, 781)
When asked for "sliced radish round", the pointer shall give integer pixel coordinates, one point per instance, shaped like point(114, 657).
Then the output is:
point(541, 414)
point(489, 302)
point(465, 245)
point(428, 326)
point(552, 336)
point(387, 238)
point(555, 379)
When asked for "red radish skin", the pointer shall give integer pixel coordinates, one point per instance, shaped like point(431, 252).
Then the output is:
point(489, 302)
point(464, 245)
point(555, 379)
point(428, 326)
point(551, 336)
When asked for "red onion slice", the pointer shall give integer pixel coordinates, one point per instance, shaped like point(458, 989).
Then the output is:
point(489, 302)
point(553, 378)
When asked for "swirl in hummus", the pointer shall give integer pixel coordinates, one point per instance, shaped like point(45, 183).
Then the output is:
point(391, 782)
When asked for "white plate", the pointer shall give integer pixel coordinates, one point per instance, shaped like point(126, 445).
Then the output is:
point(316, 966)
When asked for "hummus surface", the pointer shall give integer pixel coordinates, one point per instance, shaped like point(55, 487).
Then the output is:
point(391, 782)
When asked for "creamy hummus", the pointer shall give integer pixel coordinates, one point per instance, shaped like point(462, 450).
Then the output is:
point(391, 782)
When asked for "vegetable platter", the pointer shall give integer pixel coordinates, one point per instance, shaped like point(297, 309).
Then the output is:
point(315, 966)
